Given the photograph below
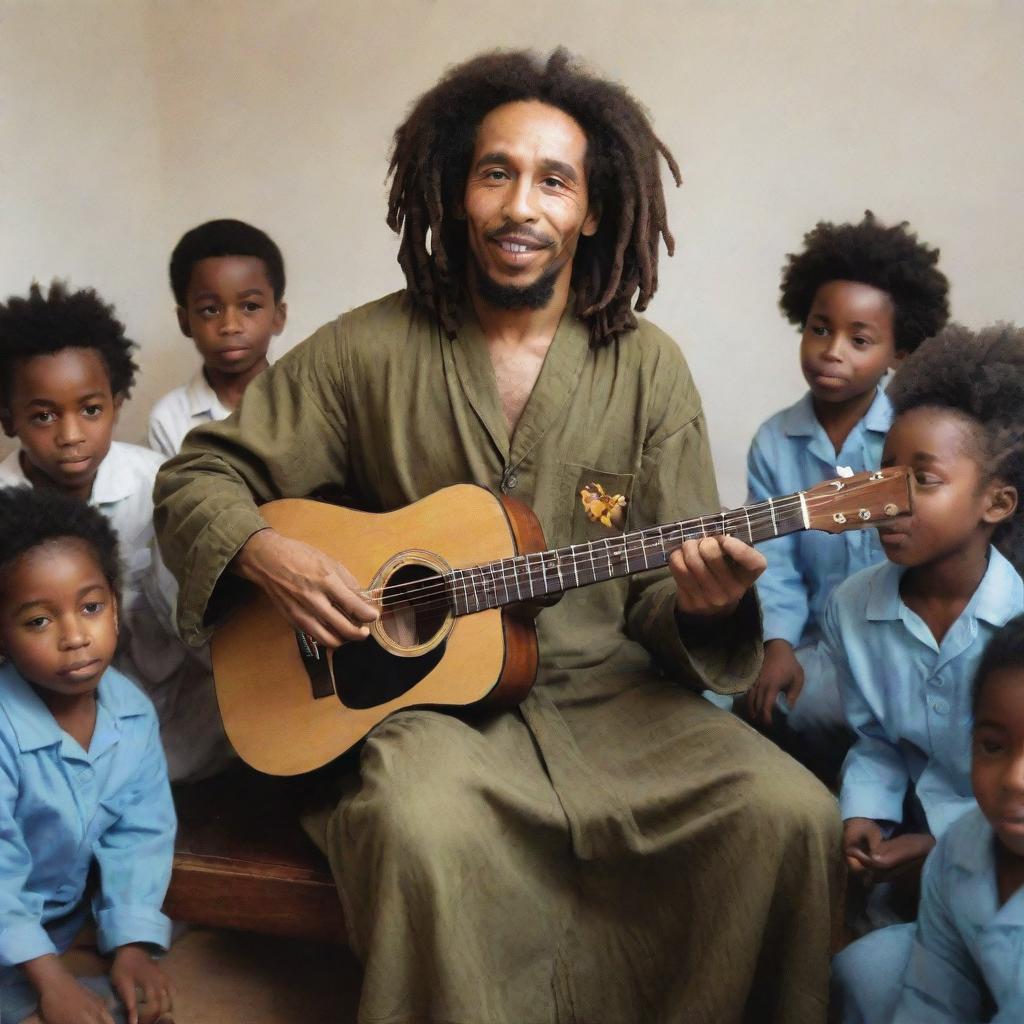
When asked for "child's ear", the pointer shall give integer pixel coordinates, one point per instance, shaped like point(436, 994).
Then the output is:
point(280, 316)
point(182, 314)
point(1002, 503)
point(113, 600)
point(7, 422)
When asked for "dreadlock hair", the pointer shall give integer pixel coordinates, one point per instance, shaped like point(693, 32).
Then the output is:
point(31, 517)
point(980, 376)
point(430, 163)
point(224, 237)
point(888, 258)
point(1004, 651)
point(41, 325)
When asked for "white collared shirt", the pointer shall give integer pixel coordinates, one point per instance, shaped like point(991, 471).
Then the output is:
point(180, 410)
point(177, 679)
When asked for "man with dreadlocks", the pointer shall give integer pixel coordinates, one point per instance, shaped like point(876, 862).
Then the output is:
point(616, 849)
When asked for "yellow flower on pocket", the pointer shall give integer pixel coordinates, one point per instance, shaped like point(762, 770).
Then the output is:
point(604, 508)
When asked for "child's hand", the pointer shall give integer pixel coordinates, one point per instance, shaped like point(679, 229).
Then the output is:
point(780, 673)
point(64, 1000)
point(861, 839)
point(135, 968)
point(897, 856)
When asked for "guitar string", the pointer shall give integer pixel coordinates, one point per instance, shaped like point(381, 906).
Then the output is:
point(593, 552)
point(595, 565)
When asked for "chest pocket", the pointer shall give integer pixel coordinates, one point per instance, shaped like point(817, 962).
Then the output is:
point(575, 478)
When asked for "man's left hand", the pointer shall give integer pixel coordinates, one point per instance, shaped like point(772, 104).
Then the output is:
point(713, 574)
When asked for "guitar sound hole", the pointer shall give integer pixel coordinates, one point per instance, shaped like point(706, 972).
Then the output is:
point(414, 605)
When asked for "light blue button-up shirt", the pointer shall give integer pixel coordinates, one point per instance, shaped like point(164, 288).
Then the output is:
point(791, 452)
point(62, 808)
point(908, 698)
point(968, 950)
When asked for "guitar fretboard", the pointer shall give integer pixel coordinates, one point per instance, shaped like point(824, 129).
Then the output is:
point(538, 575)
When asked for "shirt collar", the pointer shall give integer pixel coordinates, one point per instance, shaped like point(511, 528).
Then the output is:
point(202, 399)
point(114, 481)
point(988, 602)
point(799, 420)
point(31, 720)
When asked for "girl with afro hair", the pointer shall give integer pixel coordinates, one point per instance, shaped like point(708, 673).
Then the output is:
point(864, 296)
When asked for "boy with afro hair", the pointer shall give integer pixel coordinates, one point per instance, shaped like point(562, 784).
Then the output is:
point(864, 296)
point(66, 367)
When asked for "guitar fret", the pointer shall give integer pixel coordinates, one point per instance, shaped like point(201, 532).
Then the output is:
point(750, 529)
point(515, 576)
point(771, 509)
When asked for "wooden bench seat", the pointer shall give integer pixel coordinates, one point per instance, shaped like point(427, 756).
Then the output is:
point(242, 861)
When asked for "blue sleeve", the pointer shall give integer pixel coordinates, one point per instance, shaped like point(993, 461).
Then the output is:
point(875, 777)
point(134, 856)
point(781, 588)
point(943, 984)
point(22, 935)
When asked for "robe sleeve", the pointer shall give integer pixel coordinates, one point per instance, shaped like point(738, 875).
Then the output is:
point(676, 481)
point(288, 437)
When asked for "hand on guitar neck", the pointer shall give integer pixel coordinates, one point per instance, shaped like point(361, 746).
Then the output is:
point(713, 574)
point(309, 589)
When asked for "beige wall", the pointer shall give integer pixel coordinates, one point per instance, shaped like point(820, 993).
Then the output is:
point(124, 122)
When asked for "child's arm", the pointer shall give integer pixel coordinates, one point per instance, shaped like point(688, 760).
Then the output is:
point(942, 984)
point(134, 857)
point(783, 595)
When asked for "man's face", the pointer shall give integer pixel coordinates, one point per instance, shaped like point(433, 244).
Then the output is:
point(526, 203)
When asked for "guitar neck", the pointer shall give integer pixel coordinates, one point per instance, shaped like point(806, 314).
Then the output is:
point(544, 573)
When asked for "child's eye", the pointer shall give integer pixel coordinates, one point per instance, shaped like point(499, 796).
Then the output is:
point(43, 417)
point(862, 342)
point(926, 479)
point(989, 747)
point(92, 607)
point(93, 410)
point(252, 307)
point(38, 622)
point(207, 311)
point(819, 331)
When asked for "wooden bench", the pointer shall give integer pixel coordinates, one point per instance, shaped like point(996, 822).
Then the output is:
point(242, 861)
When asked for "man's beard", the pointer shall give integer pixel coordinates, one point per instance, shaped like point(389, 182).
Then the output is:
point(512, 296)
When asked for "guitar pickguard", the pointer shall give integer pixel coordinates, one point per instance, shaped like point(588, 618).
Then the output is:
point(367, 675)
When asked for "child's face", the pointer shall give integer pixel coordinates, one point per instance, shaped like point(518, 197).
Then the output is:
point(58, 618)
point(63, 413)
point(954, 506)
point(231, 314)
point(847, 343)
point(997, 770)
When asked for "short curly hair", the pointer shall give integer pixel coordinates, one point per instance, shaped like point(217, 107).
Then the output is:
point(32, 517)
point(888, 258)
point(224, 237)
point(979, 375)
point(430, 163)
point(1004, 651)
point(41, 325)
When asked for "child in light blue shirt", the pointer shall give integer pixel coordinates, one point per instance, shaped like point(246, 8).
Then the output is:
point(906, 636)
point(961, 963)
point(86, 818)
point(864, 295)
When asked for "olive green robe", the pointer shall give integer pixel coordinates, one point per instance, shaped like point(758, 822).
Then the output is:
point(617, 849)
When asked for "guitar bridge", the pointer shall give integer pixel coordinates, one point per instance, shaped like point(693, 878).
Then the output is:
point(317, 665)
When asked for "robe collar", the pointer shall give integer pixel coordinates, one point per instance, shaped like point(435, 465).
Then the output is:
point(549, 400)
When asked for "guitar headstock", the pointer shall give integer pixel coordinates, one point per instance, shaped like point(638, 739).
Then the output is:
point(865, 499)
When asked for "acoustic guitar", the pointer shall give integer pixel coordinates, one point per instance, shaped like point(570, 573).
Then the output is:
point(458, 577)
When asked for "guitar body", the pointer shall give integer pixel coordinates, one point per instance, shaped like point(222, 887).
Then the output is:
point(289, 709)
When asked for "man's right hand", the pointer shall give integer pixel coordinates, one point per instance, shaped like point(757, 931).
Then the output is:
point(313, 592)
point(780, 673)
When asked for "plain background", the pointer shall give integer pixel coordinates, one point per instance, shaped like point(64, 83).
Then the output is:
point(125, 122)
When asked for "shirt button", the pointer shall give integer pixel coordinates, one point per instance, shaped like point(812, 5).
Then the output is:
point(509, 482)
point(940, 707)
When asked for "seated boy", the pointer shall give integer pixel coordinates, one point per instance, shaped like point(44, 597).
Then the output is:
point(228, 281)
point(864, 295)
point(86, 818)
point(65, 369)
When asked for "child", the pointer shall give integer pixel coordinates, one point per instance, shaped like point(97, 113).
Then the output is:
point(906, 635)
point(864, 296)
point(228, 281)
point(962, 960)
point(86, 816)
point(65, 368)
